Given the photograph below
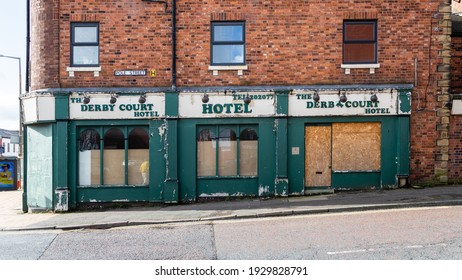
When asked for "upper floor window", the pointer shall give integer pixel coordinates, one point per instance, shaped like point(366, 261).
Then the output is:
point(360, 42)
point(228, 43)
point(84, 44)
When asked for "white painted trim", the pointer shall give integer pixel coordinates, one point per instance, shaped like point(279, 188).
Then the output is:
point(95, 70)
point(239, 68)
point(371, 67)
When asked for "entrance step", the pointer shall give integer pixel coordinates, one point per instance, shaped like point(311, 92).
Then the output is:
point(309, 191)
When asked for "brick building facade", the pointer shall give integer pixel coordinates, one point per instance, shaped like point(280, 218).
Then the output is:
point(294, 62)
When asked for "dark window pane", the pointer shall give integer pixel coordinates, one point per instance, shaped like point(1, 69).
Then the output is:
point(89, 140)
point(248, 134)
point(359, 53)
point(228, 134)
point(359, 31)
point(228, 33)
point(114, 139)
point(206, 135)
point(138, 139)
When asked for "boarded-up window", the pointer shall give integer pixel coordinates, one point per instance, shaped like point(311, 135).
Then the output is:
point(356, 146)
point(227, 155)
point(118, 144)
point(138, 157)
point(248, 152)
point(359, 42)
point(227, 149)
point(89, 157)
point(206, 153)
point(114, 157)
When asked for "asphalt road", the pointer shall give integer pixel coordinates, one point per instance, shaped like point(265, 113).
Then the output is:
point(422, 233)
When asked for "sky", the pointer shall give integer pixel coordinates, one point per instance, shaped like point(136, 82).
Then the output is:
point(12, 43)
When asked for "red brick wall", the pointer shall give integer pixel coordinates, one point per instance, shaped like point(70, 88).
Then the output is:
point(44, 44)
point(456, 65)
point(134, 35)
point(287, 43)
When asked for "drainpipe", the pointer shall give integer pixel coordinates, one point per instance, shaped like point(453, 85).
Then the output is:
point(174, 45)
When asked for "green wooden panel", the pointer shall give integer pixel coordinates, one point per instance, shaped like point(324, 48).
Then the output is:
point(356, 180)
point(157, 152)
point(60, 163)
point(62, 105)
point(40, 166)
point(228, 187)
point(112, 194)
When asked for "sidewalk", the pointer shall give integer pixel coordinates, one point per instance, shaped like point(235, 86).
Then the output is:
point(12, 218)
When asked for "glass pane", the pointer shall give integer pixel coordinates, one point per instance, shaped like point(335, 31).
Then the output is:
point(360, 31)
point(227, 149)
point(228, 33)
point(85, 34)
point(89, 158)
point(114, 157)
point(248, 134)
point(228, 54)
point(248, 153)
point(206, 153)
point(356, 146)
point(359, 53)
point(87, 55)
point(138, 157)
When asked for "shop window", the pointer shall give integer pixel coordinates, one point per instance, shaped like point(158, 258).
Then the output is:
point(138, 157)
point(227, 162)
point(114, 157)
point(228, 43)
point(248, 156)
point(206, 153)
point(84, 44)
point(108, 166)
point(359, 42)
point(227, 155)
point(356, 146)
point(89, 157)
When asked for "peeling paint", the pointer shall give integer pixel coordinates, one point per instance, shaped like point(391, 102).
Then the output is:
point(221, 194)
point(263, 190)
point(62, 204)
point(162, 130)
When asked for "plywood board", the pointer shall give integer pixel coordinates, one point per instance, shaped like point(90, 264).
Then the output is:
point(95, 165)
point(317, 156)
point(114, 170)
point(356, 146)
point(227, 153)
point(248, 158)
point(206, 158)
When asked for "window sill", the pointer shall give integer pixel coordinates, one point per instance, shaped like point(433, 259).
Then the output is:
point(239, 68)
point(95, 70)
point(371, 67)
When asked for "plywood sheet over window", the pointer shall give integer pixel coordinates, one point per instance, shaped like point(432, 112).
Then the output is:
point(248, 158)
point(356, 146)
point(317, 156)
point(114, 167)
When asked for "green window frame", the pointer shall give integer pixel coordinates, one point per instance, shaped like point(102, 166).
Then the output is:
point(113, 156)
point(227, 151)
